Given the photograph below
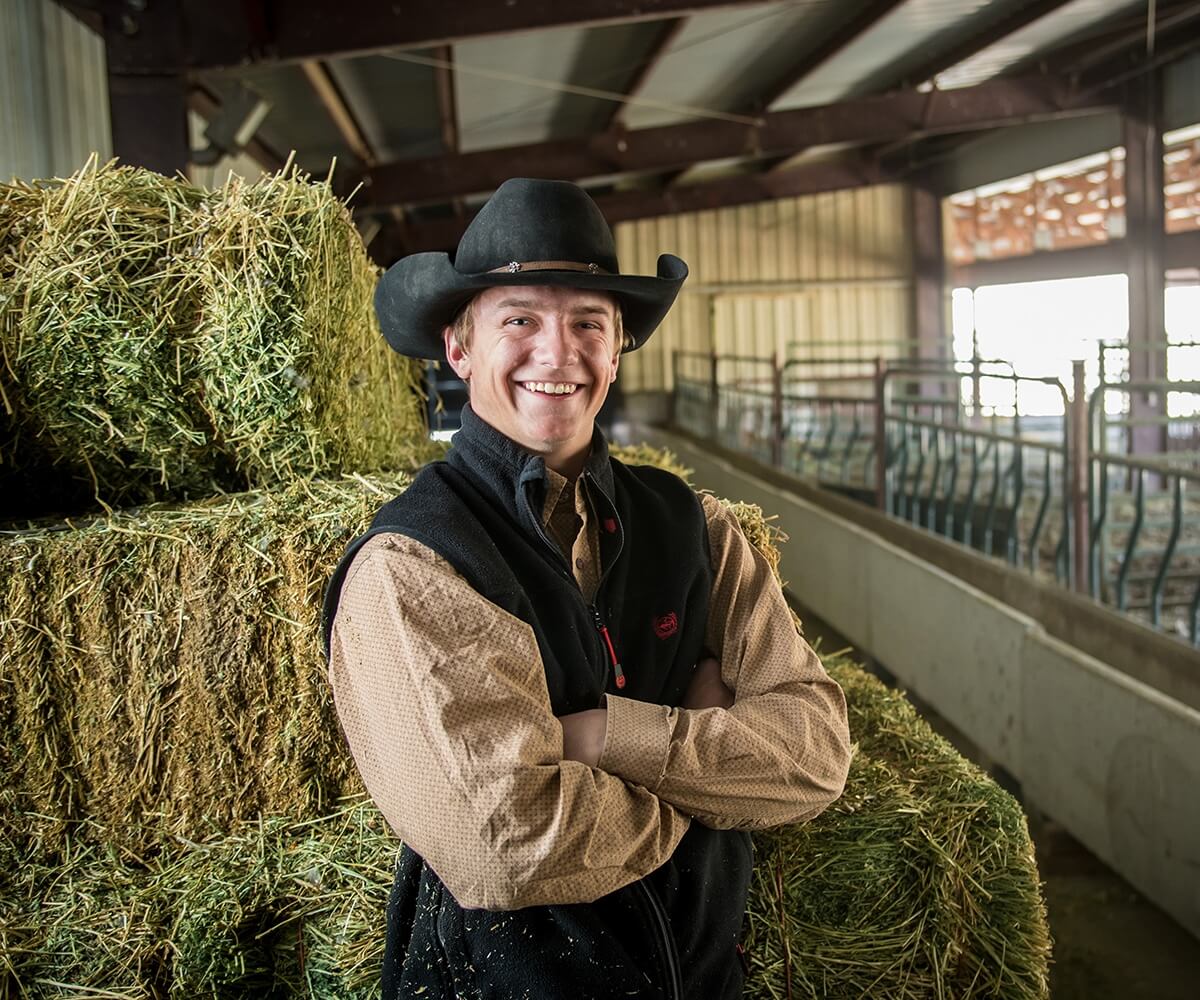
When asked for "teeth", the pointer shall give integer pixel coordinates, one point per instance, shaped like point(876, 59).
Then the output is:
point(551, 388)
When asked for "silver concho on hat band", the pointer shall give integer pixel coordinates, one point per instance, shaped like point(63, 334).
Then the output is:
point(513, 266)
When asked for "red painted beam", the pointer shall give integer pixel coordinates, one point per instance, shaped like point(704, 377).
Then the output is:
point(623, 206)
point(225, 34)
point(899, 115)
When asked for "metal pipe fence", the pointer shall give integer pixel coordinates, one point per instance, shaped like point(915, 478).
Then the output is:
point(1051, 495)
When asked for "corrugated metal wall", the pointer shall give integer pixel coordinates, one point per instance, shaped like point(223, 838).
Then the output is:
point(54, 98)
point(817, 275)
point(53, 91)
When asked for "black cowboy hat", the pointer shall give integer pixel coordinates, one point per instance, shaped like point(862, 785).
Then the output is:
point(530, 232)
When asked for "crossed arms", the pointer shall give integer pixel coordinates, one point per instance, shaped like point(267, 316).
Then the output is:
point(444, 703)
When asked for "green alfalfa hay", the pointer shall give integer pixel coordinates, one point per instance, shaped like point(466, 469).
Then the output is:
point(161, 668)
point(275, 908)
point(916, 884)
point(295, 373)
point(100, 292)
point(920, 881)
point(159, 341)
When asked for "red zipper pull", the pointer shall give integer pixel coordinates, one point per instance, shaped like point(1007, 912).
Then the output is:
point(618, 673)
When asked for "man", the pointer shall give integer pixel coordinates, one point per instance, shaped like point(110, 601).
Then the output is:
point(571, 686)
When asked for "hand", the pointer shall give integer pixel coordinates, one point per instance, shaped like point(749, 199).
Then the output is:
point(706, 689)
point(583, 735)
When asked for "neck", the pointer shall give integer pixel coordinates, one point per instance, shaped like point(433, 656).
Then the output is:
point(568, 463)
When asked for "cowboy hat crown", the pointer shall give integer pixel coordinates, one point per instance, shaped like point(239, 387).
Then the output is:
point(530, 232)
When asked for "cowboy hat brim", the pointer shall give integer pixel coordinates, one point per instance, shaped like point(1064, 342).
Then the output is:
point(420, 295)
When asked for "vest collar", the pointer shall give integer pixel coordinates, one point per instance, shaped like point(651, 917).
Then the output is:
point(508, 468)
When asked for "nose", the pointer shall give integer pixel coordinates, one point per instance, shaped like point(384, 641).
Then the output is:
point(555, 345)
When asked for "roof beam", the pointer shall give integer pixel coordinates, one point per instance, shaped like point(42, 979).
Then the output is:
point(666, 38)
point(202, 101)
point(846, 32)
point(623, 206)
point(338, 108)
point(903, 114)
point(226, 34)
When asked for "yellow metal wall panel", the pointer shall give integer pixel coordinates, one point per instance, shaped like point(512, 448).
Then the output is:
point(53, 92)
point(820, 275)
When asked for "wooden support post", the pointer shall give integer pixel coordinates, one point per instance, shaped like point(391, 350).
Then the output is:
point(776, 411)
point(929, 274)
point(147, 88)
point(1145, 242)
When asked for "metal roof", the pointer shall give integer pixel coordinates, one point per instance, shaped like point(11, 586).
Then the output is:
point(707, 63)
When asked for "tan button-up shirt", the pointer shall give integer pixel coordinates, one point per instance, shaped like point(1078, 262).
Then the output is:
point(444, 703)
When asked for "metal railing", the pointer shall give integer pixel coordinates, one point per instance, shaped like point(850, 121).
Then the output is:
point(1002, 493)
point(1051, 495)
point(1143, 523)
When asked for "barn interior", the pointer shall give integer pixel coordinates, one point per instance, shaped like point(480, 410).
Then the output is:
point(942, 319)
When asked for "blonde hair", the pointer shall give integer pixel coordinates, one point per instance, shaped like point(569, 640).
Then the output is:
point(463, 324)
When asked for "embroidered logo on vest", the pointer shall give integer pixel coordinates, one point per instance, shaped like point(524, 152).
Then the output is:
point(666, 625)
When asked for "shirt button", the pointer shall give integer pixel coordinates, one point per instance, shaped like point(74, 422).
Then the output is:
point(579, 564)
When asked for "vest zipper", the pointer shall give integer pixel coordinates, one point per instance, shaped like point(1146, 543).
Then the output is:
point(606, 643)
point(666, 943)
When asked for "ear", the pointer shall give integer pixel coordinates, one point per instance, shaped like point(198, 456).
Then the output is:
point(616, 363)
point(459, 360)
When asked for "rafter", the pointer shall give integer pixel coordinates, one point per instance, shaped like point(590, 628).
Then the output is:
point(339, 110)
point(202, 101)
point(443, 76)
point(846, 32)
point(873, 119)
point(228, 34)
point(662, 45)
point(947, 59)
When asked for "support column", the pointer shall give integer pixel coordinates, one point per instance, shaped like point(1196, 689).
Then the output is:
point(929, 297)
point(147, 86)
point(929, 274)
point(1145, 241)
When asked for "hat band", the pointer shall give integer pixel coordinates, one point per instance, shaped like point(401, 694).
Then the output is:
point(514, 266)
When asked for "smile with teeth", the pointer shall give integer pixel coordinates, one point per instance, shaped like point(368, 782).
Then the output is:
point(551, 388)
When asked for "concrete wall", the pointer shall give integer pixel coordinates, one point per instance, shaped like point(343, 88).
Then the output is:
point(1114, 760)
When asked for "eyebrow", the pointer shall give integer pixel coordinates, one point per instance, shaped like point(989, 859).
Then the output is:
point(530, 304)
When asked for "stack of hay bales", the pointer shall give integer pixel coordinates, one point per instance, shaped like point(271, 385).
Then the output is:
point(158, 341)
point(180, 817)
point(173, 804)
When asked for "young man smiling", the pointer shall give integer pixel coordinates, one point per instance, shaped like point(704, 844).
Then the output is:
point(570, 685)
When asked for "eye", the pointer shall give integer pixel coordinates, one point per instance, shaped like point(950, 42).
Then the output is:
point(517, 321)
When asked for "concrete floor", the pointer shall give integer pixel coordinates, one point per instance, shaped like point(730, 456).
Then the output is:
point(1110, 942)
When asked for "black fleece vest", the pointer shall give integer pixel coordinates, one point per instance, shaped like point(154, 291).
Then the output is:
point(674, 933)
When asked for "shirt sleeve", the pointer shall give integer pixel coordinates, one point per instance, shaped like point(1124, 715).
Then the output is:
point(442, 696)
point(780, 754)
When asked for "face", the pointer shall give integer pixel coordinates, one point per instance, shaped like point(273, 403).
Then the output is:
point(539, 364)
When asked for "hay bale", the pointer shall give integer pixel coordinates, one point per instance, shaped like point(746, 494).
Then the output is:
point(160, 341)
point(161, 668)
point(920, 881)
point(150, 715)
point(295, 374)
point(276, 908)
